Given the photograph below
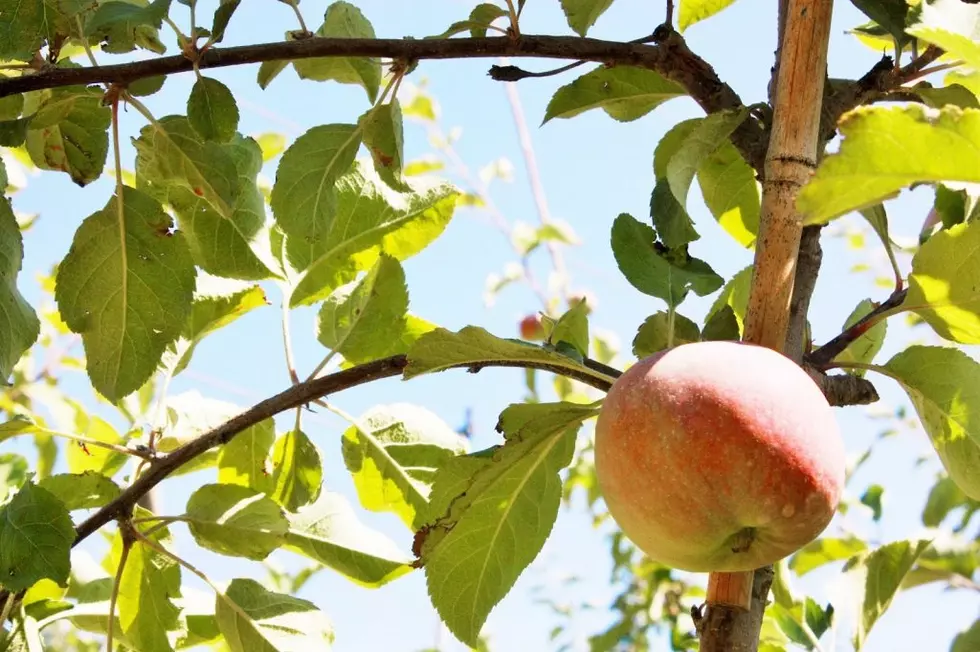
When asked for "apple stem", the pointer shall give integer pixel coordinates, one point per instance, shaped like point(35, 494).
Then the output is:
point(732, 589)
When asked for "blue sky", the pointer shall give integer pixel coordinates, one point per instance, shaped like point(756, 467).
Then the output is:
point(592, 169)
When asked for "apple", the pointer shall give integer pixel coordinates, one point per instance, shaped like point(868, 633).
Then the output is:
point(719, 456)
point(531, 328)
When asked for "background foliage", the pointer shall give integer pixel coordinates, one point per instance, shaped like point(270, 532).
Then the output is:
point(232, 232)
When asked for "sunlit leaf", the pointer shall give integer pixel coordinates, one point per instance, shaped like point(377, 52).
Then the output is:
point(625, 93)
point(235, 520)
point(297, 471)
point(694, 11)
point(866, 347)
point(252, 618)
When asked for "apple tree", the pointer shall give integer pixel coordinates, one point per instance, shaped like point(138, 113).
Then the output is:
point(198, 225)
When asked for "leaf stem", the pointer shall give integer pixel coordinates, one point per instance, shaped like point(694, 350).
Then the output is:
point(85, 45)
point(287, 341)
point(299, 16)
point(514, 16)
point(671, 319)
point(127, 544)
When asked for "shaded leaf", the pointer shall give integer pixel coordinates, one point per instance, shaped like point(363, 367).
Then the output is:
point(212, 110)
point(298, 473)
point(653, 269)
point(705, 138)
point(625, 93)
point(126, 287)
point(120, 27)
point(722, 325)
point(36, 534)
point(582, 14)
point(81, 490)
point(655, 334)
point(359, 320)
point(441, 349)
point(872, 498)
point(19, 325)
point(344, 20)
point(25, 26)
point(671, 221)
point(735, 295)
point(572, 329)
point(69, 133)
point(492, 512)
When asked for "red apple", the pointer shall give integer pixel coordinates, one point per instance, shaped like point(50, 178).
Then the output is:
point(531, 328)
point(719, 456)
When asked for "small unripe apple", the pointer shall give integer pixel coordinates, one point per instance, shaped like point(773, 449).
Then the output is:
point(531, 328)
point(719, 456)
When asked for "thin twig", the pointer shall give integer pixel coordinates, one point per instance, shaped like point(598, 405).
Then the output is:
point(114, 596)
point(823, 356)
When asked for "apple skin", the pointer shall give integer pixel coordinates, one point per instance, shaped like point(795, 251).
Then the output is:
point(719, 456)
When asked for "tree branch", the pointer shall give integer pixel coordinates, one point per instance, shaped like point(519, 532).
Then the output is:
point(878, 83)
point(807, 271)
point(670, 57)
point(727, 630)
point(823, 356)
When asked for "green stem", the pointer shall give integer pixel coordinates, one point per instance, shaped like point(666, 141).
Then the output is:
point(671, 319)
point(114, 596)
point(299, 16)
point(514, 15)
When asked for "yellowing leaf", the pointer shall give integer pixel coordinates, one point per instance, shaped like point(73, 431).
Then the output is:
point(887, 149)
point(69, 133)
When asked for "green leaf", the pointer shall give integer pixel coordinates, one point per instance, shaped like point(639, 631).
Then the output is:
point(217, 303)
point(882, 571)
point(242, 461)
point(735, 295)
point(360, 319)
point(298, 473)
point(441, 349)
point(887, 149)
point(944, 386)
point(37, 534)
point(890, 14)
point(81, 490)
point(236, 521)
point(126, 287)
point(872, 498)
point(69, 132)
point(582, 14)
point(572, 328)
point(864, 349)
point(122, 26)
point(492, 512)
point(951, 94)
point(957, 45)
point(625, 93)
point(269, 70)
point(670, 220)
point(229, 240)
point(655, 334)
point(383, 136)
point(694, 11)
point(825, 551)
point(370, 219)
point(328, 532)
point(303, 197)
point(393, 453)
point(722, 325)
point(943, 498)
point(149, 583)
point(967, 640)
point(344, 20)
point(25, 26)
point(13, 473)
point(731, 192)
point(705, 138)
point(941, 286)
point(254, 619)
point(171, 153)
point(480, 19)
point(18, 322)
point(653, 269)
point(222, 16)
point(819, 619)
point(212, 110)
